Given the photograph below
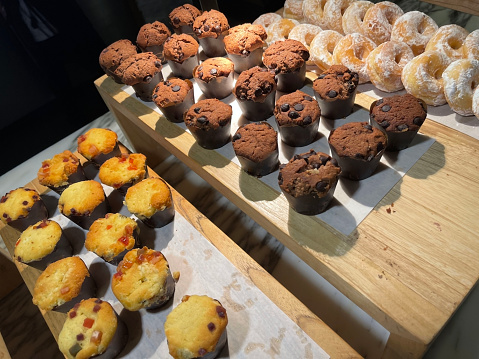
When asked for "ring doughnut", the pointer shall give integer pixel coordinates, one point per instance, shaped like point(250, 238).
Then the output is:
point(448, 39)
point(293, 9)
point(322, 47)
point(304, 33)
point(379, 20)
point(333, 13)
point(353, 16)
point(414, 28)
point(313, 12)
point(422, 77)
point(475, 102)
point(267, 19)
point(352, 51)
point(279, 30)
point(461, 78)
point(385, 64)
point(471, 45)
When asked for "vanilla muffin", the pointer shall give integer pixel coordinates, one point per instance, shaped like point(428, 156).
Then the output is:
point(92, 329)
point(112, 236)
point(83, 203)
point(41, 244)
point(151, 201)
point(58, 172)
point(63, 284)
point(196, 328)
point(22, 207)
point(143, 280)
point(123, 172)
point(98, 145)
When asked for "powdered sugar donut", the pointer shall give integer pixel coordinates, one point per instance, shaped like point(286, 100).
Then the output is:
point(267, 19)
point(313, 12)
point(385, 64)
point(449, 40)
point(353, 17)
point(279, 30)
point(379, 21)
point(352, 51)
point(293, 9)
point(470, 46)
point(422, 77)
point(333, 13)
point(461, 78)
point(304, 33)
point(414, 28)
point(475, 102)
point(322, 47)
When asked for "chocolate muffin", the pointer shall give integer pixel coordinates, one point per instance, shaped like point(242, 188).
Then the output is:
point(181, 52)
point(174, 97)
point(256, 146)
point(255, 92)
point(308, 181)
point(215, 77)
point(400, 116)
point(358, 148)
point(244, 46)
point(209, 121)
point(297, 115)
point(113, 55)
point(142, 72)
point(287, 59)
point(151, 38)
point(335, 91)
point(211, 27)
point(183, 17)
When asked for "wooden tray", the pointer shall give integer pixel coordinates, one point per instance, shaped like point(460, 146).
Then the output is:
point(295, 310)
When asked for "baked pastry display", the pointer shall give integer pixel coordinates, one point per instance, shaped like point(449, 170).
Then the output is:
point(297, 115)
point(304, 33)
point(196, 328)
point(313, 12)
point(181, 53)
point(113, 55)
point(152, 37)
point(470, 46)
point(279, 30)
point(98, 145)
point(112, 236)
point(215, 77)
point(267, 19)
point(353, 17)
point(174, 97)
point(22, 207)
point(400, 116)
point(358, 148)
point(293, 9)
point(475, 103)
point(123, 172)
point(308, 181)
point(211, 27)
point(379, 21)
point(461, 78)
point(322, 48)
point(335, 90)
point(143, 280)
point(183, 17)
point(333, 14)
point(209, 121)
point(92, 329)
point(449, 40)
point(151, 201)
point(63, 284)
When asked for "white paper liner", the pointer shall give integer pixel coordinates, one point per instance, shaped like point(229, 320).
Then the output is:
point(257, 328)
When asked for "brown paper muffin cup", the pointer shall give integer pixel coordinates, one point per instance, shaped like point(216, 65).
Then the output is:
point(38, 212)
point(219, 346)
point(144, 91)
point(184, 69)
point(77, 176)
point(99, 159)
point(213, 47)
point(242, 62)
point(218, 87)
point(174, 113)
point(310, 204)
point(257, 111)
point(211, 139)
point(291, 81)
point(62, 249)
point(298, 136)
point(262, 168)
point(88, 290)
point(85, 221)
point(336, 108)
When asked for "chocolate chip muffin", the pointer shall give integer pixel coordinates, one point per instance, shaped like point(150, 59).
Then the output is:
point(256, 146)
point(183, 17)
point(174, 97)
point(209, 121)
point(181, 53)
point(287, 59)
point(244, 45)
point(335, 91)
point(297, 115)
point(211, 27)
point(215, 77)
point(358, 148)
point(113, 55)
point(255, 92)
point(151, 38)
point(308, 181)
point(400, 116)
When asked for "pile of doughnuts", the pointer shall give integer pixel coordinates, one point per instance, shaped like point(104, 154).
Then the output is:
point(391, 49)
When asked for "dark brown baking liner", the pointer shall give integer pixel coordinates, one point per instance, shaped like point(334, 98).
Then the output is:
point(212, 138)
point(257, 111)
point(174, 113)
point(118, 341)
point(99, 159)
point(85, 221)
point(336, 108)
point(297, 135)
point(77, 176)
point(213, 47)
point(219, 346)
point(291, 81)
point(396, 140)
point(262, 168)
point(184, 69)
point(218, 87)
point(114, 76)
point(157, 50)
point(243, 63)
point(62, 249)
point(144, 91)
point(38, 212)
point(88, 290)
point(310, 204)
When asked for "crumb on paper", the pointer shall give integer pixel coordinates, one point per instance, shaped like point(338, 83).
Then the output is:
point(176, 276)
point(438, 226)
point(385, 248)
point(388, 210)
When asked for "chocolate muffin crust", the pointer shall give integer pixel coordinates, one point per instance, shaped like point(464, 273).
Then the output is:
point(214, 67)
point(171, 91)
point(152, 34)
point(357, 140)
point(285, 56)
point(113, 55)
point(208, 114)
point(139, 68)
point(255, 141)
point(184, 15)
point(336, 83)
point(296, 108)
point(245, 38)
point(180, 47)
point(254, 84)
point(210, 24)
